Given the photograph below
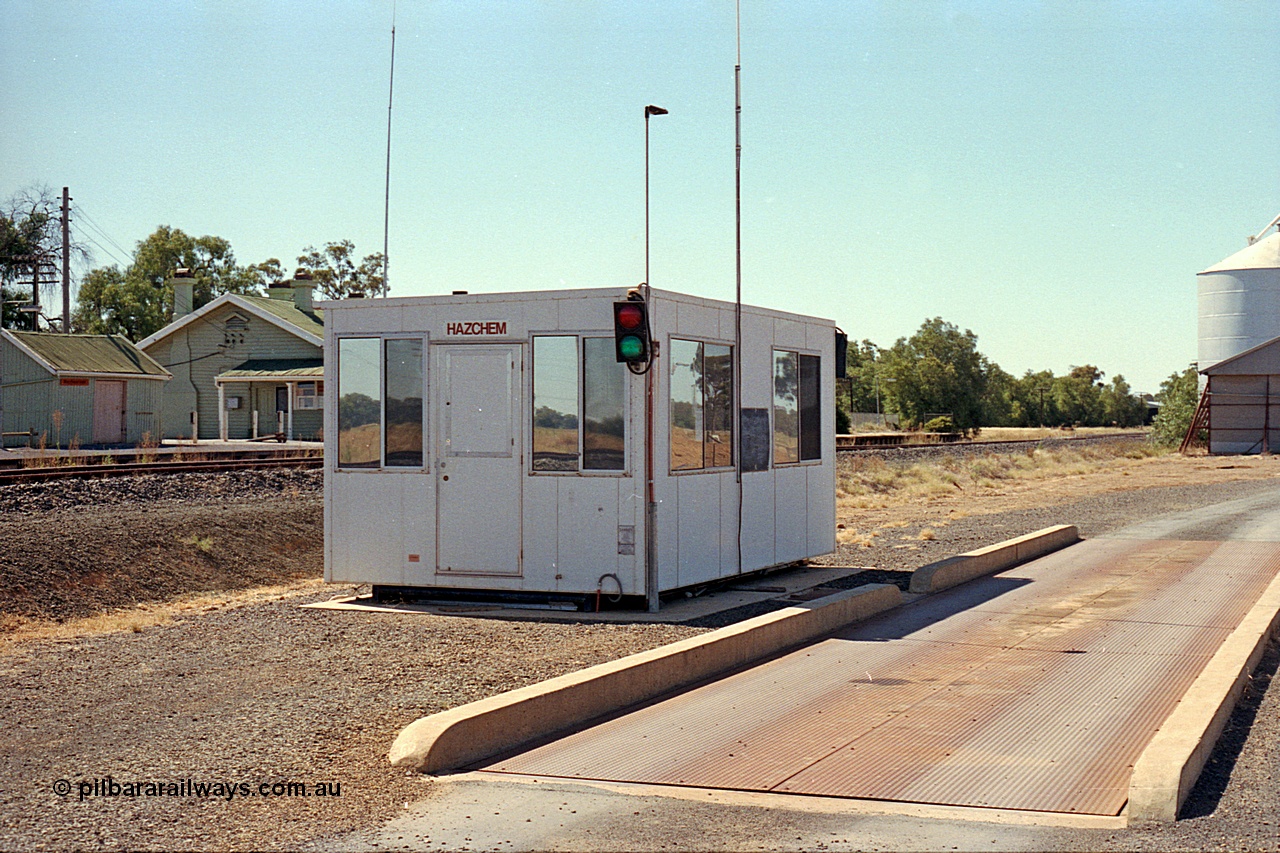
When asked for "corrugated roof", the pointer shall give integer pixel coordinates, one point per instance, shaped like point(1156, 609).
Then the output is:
point(1262, 255)
point(310, 368)
point(312, 323)
point(89, 353)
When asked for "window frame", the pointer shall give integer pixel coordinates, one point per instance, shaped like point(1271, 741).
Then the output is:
point(424, 417)
point(703, 343)
point(580, 338)
point(336, 383)
point(814, 440)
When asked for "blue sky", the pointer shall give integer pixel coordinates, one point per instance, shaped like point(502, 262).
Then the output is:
point(1050, 175)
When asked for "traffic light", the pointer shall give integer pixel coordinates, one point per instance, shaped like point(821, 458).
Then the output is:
point(631, 332)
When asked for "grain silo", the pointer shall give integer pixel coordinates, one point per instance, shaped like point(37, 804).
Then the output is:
point(1240, 300)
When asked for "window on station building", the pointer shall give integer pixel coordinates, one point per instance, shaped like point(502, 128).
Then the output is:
point(702, 413)
point(579, 411)
point(404, 409)
point(308, 396)
point(797, 417)
point(359, 403)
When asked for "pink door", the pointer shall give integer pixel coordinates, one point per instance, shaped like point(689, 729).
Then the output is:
point(108, 412)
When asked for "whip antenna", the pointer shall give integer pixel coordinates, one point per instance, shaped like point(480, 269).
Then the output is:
point(386, 209)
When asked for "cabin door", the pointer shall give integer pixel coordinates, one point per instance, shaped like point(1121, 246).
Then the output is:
point(477, 458)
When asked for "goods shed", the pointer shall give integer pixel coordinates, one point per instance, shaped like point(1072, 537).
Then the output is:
point(66, 390)
point(495, 443)
point(1243, 398)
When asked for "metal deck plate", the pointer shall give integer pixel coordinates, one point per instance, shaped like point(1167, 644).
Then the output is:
point(1033, 689)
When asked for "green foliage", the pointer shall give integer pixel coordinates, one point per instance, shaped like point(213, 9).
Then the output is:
point(843, 423)
point(938, 370)
point(1120, 406)
point(138, 301)
point(859, 391)
point(1039, 398)
point(939, 373)
point(336, 273)
point(1178, 397)
point(548, 418)
point(357, 410)
point(30, 231)
point(940, 424)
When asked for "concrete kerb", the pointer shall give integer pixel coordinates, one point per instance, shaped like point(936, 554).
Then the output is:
point(953, 571)
point(1168, 768)
point(478, 730)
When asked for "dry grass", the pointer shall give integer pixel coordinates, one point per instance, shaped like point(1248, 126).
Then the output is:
point(552, 440)
point(873, 482)
point(203, 544)
point(17, 631)
point(1036, 433)
point(360, 445)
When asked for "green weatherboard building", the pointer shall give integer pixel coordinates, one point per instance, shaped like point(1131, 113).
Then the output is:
point(242, 366)
point(64, 390)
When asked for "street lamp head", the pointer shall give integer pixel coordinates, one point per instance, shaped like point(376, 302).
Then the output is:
point(651, 110)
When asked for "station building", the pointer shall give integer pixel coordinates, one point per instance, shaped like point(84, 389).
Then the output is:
point(243, 366)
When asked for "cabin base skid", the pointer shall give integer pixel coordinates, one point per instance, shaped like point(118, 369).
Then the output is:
point(586, 602)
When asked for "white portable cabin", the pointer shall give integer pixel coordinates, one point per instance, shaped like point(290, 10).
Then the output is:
point(492, 442)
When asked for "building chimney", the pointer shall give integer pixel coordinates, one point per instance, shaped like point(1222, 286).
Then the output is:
point(302, 286)
point(184, 285)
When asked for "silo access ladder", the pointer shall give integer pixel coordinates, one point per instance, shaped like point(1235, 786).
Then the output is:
point(1199, 421)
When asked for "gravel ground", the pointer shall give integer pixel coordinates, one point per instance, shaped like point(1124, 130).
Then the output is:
point(256, 690)
point(73, 548)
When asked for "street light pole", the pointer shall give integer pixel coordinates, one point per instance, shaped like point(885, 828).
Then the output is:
point(651, 588)
point(649, 110)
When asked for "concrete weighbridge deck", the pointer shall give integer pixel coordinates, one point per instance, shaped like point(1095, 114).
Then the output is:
point(1034, 689)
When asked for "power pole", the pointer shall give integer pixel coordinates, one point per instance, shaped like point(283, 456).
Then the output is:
point(66, 261)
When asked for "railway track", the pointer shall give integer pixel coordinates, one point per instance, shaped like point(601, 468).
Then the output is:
point(976, 448)
point(44, 473)
point(131, 469)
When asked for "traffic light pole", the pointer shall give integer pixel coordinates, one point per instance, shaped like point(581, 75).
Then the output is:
point(651, 587)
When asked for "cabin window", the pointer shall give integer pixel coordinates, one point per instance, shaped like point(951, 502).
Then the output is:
point(555, 403)
point(797, 417)
point(702, 412)
point(603, 401)
point(579, 405)
point(359, 403)
point(404, 408)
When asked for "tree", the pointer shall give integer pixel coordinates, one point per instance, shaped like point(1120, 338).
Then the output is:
point(108, 304)
point(937, 371)
point(336, 273)
point(267, 274)
point(997, 399)
point(1120, 406)
point(31, 240)
point(1178, 397)
point(1031, 402)
point(139, 301)
point(862, 362)
point(1078, 396)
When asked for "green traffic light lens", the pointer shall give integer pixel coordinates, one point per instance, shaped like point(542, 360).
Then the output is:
point(631, 347)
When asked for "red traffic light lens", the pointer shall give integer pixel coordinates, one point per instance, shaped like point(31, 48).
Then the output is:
point(629, 316)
